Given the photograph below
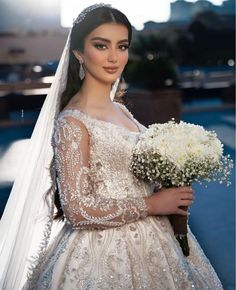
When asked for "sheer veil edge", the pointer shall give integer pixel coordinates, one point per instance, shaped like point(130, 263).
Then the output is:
point(26, 224)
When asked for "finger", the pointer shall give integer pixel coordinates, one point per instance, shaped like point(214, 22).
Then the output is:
point(186, 202)
point(187, 189)
point(189, 196)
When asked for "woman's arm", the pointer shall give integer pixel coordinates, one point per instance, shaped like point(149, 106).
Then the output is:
point(81, 206)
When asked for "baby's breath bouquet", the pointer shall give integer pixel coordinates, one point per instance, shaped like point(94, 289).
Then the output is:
point(178, 154)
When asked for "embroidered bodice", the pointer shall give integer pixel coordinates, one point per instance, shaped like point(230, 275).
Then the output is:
point(96, 189)
point(108, 241)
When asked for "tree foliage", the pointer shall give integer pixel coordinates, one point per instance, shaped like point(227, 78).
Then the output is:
point(152, 64)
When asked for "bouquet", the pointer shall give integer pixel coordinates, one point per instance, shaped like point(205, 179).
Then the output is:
point(178, 154)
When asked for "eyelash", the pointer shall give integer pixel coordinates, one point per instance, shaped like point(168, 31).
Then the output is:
point(101, 46)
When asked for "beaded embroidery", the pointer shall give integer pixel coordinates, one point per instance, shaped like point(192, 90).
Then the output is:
point(82, 207)
point(139, 255)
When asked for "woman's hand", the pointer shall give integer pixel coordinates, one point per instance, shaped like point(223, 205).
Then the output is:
point(168, 200)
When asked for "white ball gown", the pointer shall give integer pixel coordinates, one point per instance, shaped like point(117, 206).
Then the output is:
point(108, 241)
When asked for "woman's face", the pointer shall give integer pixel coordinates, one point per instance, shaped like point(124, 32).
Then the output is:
point(105, 52)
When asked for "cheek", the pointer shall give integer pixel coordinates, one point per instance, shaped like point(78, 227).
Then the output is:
point(124, 56)
point(95, 57)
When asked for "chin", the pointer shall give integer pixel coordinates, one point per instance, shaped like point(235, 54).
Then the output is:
point(109, 80)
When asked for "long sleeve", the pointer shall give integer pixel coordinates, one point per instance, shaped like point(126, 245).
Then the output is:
point(82, 207)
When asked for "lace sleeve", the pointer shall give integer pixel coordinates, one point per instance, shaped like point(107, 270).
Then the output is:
point(83, 208)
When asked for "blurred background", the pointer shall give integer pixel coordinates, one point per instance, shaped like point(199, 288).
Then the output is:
point(182, 65)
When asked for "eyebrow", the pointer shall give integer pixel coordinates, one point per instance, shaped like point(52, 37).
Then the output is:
point(108, 41)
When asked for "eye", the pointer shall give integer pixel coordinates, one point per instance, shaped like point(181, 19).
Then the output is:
point(100, 46)
point(123, 46)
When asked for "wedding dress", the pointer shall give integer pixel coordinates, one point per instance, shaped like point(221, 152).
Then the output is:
point(107, 240)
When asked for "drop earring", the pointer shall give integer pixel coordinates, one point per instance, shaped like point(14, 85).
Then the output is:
point(81, 71)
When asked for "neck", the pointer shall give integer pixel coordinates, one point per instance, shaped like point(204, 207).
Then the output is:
point(94, 94)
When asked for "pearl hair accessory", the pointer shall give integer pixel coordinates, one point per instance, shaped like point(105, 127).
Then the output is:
point(87, 10)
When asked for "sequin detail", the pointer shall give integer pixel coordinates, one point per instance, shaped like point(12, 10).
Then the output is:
point(113, 245)
point(83, 207)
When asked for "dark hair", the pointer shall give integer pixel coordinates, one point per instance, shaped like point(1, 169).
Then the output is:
point(79, 32)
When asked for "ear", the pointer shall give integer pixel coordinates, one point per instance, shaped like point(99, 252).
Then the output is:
point(78, 55)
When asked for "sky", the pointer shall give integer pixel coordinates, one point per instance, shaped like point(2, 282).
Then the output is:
point(138, 12)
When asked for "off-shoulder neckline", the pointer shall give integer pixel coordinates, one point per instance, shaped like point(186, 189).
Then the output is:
point(122, 107)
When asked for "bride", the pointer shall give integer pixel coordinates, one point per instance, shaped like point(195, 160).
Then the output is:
point(110, 230)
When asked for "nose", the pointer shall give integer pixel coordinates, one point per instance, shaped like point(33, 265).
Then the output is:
point(112, 57)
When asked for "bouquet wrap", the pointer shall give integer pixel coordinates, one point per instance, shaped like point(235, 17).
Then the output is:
point(179, 225)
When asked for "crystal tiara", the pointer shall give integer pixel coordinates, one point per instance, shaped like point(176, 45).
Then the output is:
point(87, 10)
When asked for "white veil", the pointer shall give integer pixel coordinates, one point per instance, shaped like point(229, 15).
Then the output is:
point(26, 225)
point(27, 218)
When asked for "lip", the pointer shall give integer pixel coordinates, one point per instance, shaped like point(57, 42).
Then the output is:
point(111, 69)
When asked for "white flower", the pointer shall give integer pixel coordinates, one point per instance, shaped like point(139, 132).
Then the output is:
point(178, 154)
